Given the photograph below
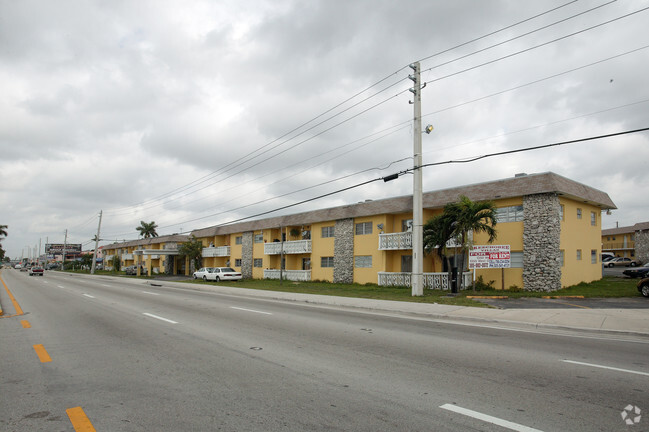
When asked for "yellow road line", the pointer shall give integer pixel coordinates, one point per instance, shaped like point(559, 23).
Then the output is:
point(579, 306)
point(79, 420)
point(19, 311)
point(25, 324)
point(42, 354)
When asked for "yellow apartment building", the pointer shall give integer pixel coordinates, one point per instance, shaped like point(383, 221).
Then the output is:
point(159, 255)
point(629, 242)
point(552, 225)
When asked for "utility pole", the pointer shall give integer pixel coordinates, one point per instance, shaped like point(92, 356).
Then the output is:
point(65, 246)
point(417, 277)
point(94, 255)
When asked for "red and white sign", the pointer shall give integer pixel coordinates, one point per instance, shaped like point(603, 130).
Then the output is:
point(490, 256)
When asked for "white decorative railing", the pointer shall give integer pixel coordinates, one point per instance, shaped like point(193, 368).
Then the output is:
point(218, 251)
point(127, 256)
point(154, 256)
point(438, 281)
point(109, 258)
point(292, 275)
point(395, 241)
point(290, 247)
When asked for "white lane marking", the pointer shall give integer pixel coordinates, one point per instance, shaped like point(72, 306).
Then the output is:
point(159, 317)
point(147, 292)
point(89, 296)
point(60, 286)
point(606, 367)
point(107, 286)
point(488, 418)
point(250, 310)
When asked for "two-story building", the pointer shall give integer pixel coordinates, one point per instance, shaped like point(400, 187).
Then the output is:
point(159, 255)
point(551, 224)
point(629, 241)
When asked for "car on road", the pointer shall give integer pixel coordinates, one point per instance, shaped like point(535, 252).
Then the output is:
point(643, 287)
point(36, 271)
point(132, 270)
point(203, 273)
point(224, 273)
point(641, 272)
point(18, 267)
point(621, 262)
point(51, 266)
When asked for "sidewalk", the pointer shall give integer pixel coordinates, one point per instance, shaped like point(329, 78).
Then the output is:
point(601, 321)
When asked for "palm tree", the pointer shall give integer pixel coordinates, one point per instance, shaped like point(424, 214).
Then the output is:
point(3, 230)
point(147, 230)
point(455, 223)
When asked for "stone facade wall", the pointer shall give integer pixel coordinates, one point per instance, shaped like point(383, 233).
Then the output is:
point(246, 255)
point(344, 251)
point(642, 245)
point(541, 243)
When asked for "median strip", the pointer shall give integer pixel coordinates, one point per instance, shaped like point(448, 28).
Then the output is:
point(79, 420)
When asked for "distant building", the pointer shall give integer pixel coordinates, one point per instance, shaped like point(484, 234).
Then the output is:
point(629, 241)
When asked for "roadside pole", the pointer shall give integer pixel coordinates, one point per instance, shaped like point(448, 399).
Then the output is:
point(94, 255)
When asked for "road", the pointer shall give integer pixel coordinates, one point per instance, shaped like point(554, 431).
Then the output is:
point(121, 355)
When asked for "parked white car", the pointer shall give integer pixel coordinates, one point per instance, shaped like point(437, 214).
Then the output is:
point(203, 273)
point(224, 273)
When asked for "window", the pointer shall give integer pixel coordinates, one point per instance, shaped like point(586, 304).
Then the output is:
point(593, 218)
point(562, 257)
point(306, 263)
point(578, 254)
point(364, 228)
point(238, 240)
point(516, 259)
point(326, 262)
point(578, 213)
point(561, 209)
point(509, 214)
point(237, 262)
point(327, 232)
point(593, 256)
point(259, 238)
point(406, 263)
point(363, 261)
point(258, 262)
point(406, 225)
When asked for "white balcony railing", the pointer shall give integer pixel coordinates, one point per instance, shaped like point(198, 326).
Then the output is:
point(218, 251)
point(431, 280)
point(292, 275)
point(290, 247)
point(395, 241)
point(128, 256)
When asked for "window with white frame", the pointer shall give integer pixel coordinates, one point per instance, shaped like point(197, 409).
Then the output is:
point(593, 256)
point(259, 238)
point(562, 252)
point(364, 228)
point(578, 213)
point(509, 214)
point(593, 218)
point(238, 240)
point(516, 259)
point(363, 261)
point(578, 254)
point(326, 262)
point(561, 210)
point(327, 232)
point(237, 262)
point(258, 262)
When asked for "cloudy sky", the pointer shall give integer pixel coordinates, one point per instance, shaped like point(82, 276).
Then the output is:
point(197, 113)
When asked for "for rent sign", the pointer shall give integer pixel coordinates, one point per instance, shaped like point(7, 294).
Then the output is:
point(490, 256)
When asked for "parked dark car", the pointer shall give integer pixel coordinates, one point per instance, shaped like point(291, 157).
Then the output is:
point(641, 272)
point(132, 270)
point(51, 266)
point(643, 287)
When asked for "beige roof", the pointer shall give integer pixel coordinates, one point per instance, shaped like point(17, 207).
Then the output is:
point(179, 238)
point(640, 226)
point(507, 188)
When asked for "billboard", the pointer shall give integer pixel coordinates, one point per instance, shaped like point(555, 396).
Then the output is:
point(57, 248)
point(490, 256)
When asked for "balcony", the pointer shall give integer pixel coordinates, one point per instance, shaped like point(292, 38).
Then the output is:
point(218, 251)
point(395, 241)
point(128, 256)
point(290, 247)
point(438, 281)
point(292, 275)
